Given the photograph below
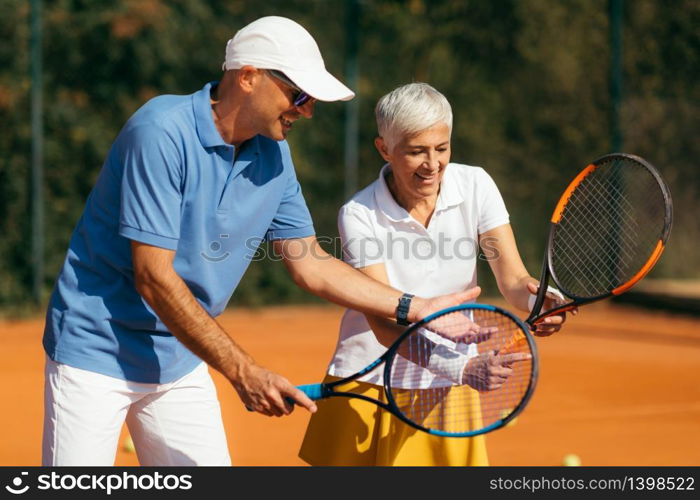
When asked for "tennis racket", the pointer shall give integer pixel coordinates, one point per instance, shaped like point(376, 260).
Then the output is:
point(607, 232)
point(453, 388)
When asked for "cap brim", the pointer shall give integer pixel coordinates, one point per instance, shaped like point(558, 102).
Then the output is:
point(320, 85)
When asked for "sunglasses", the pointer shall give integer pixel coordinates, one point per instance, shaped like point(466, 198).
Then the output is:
point(300, 97)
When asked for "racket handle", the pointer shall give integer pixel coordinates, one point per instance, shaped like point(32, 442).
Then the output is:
point(314, 391)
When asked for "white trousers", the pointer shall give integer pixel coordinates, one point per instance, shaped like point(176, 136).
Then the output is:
point(174, 424)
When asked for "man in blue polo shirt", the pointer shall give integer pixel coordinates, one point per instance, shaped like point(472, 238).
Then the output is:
point(189, 187)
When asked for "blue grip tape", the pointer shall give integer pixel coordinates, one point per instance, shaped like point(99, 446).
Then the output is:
point(314, 391)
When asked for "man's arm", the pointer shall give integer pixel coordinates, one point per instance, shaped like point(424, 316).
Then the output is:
point(386, 330)
point(325, 276)
point(158, 283)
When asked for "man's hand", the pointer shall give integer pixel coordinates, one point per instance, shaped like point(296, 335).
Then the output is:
point(420, 308)
point(457, 326)
point(489, 371)
point(550, 324)
point(266, 392)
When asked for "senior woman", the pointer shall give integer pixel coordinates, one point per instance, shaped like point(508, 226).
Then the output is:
point(418, 227)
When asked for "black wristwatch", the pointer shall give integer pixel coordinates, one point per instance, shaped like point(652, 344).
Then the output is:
point(402, 309)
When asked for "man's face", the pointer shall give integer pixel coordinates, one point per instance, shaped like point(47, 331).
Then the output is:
point(275, 107)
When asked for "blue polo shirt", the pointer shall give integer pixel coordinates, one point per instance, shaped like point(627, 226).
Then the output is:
point(170, 181)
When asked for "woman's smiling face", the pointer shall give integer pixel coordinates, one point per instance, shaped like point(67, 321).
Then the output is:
point(418, 162)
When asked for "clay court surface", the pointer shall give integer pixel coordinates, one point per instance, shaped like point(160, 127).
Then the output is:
point(619, 386)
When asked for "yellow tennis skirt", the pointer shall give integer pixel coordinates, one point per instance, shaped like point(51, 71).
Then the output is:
point(352, 432)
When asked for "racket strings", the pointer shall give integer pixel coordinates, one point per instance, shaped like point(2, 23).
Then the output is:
point(450, 400)
point(597, 191)
point(610, 226)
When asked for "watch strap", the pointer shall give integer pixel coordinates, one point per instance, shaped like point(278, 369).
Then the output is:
point(402, 309)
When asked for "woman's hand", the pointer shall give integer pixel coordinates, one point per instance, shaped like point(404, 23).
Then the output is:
point(489, 371)
point(550, 324)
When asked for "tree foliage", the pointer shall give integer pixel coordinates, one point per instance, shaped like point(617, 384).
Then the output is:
point(528, 82)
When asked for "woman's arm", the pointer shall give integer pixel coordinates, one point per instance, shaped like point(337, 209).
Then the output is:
point(514, 282)
point(502, 254)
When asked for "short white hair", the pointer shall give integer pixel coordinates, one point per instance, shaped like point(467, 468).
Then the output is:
point(410, 109)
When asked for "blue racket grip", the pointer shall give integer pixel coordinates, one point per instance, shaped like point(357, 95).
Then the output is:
point(314, 391)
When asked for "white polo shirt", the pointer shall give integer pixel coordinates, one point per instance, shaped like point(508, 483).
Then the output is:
point(430, 261)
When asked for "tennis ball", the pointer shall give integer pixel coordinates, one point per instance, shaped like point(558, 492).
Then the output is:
point(129, 445)
point(571, 460)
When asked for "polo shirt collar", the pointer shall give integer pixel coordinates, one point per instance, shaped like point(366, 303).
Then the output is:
point(206, 129)
point(385, 200)
point(207, 132)
point(449, 196)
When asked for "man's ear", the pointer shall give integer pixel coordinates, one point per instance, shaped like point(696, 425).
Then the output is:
point(247, 78)
point(381, 146)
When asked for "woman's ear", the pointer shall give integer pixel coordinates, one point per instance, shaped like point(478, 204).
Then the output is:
point(381, 146)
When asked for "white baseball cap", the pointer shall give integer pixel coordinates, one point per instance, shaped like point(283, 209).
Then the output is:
point(281, 44)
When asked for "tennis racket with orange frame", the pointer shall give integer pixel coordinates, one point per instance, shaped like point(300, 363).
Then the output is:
point(606, 233)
